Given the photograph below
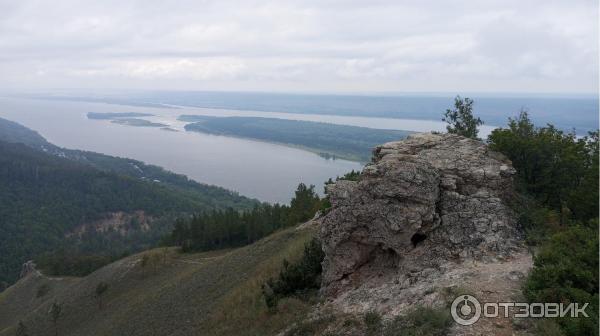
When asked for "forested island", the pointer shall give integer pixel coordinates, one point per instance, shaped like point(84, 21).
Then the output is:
point(328, 140)
point(137, 122)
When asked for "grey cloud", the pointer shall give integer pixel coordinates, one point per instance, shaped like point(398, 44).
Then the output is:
point(382, 45)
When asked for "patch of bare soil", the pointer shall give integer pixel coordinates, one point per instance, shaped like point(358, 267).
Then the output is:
point(497, 282)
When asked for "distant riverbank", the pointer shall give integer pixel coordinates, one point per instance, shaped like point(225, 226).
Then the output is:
point(567, 112)
point(328, 140)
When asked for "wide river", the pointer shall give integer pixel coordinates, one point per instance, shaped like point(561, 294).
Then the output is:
point(256, 169)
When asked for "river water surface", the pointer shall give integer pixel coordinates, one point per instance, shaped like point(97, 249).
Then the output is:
point(269, 172)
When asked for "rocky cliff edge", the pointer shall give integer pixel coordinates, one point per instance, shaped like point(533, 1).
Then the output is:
point(428, 212)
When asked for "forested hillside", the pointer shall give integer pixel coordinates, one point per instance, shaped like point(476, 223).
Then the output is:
point(211, 195)
point(10, 131)
point(47, 194)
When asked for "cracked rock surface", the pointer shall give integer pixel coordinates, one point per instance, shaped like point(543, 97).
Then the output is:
point(422, 208)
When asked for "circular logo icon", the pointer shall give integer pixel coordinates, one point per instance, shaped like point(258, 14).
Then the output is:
point(465, 310)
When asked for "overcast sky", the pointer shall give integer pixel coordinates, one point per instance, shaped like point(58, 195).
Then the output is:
point(302, 46)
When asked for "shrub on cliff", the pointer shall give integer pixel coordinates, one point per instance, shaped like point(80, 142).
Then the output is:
point(566, 271)
point(296, 278)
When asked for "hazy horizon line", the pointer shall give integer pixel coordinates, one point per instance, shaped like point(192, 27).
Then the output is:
point(481, 94)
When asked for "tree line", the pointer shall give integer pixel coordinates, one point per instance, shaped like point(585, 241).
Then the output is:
point(230, 228)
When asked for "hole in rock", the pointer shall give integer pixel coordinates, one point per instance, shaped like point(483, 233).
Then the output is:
point(417, 238)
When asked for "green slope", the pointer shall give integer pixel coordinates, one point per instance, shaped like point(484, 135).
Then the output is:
point(213, 293)
point(12, 132)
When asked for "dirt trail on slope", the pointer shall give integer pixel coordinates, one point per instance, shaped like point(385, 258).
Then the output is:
point(497, 282)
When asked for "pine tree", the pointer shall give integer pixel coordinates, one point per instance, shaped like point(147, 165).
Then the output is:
point(461, 120)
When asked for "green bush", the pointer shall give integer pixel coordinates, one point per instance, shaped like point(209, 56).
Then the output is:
point(71, 263)
point(298, 278)
point(559, 169)
point(538, 223)
point(547, 327)
point(325, 205)
point(566, 270)
point(420, 321)
point(372, 321)
point(351, 176)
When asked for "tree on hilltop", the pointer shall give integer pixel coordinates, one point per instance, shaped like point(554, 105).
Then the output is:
point(461, 120)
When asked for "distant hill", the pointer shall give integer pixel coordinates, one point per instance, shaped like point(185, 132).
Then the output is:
point(12, 132)
point(329, 140)
point(212, 293)
point(51, 197)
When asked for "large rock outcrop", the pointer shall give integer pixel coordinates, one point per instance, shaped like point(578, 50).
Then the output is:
point(420, 209)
